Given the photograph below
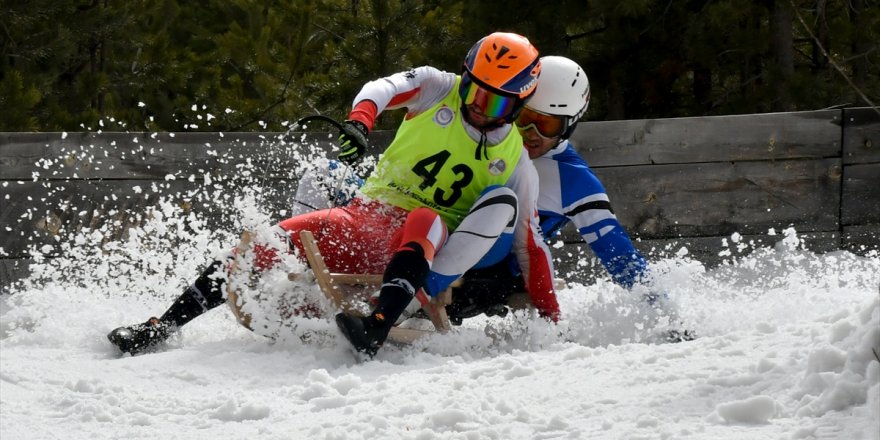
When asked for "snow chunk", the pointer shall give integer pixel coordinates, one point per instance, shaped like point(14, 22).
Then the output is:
point(231, 411)
point(845, 374)
point(757, 409)
point(826, 358)
point(448, 419)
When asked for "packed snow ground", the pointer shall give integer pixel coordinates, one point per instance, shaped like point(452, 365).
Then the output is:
point(785, 352)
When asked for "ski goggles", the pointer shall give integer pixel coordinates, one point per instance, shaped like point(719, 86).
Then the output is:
point(492, 104)
point(548, 126)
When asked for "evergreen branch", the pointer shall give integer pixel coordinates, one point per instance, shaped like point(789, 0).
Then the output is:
point(334, 34)
point(569, 38)
point(862, 55)
point(6, 31)
point(87, 7)
point(831, 61)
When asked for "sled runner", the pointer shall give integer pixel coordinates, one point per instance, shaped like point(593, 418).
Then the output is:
point(233, 299)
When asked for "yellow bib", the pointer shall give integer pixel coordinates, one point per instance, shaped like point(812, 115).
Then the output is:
point(433, 162)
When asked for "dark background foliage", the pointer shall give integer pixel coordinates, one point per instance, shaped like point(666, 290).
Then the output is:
point(251, 65)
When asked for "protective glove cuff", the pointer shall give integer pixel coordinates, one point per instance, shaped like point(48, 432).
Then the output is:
point(352, 141)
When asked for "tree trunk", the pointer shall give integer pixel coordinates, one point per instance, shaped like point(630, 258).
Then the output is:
point(616, 100)
point(860, 46)
point(783, 52)
point(821, 31)
point(702, 89)
point(381, 11)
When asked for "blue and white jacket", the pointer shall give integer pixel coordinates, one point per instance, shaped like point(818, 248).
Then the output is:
point(569, 191)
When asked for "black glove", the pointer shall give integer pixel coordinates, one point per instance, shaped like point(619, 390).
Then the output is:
point(352, 141)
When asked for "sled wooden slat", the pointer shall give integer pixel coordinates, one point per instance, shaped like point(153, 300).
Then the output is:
point(519, 301)
point(522, 300)
point(441, 320)
point(358, 279)
point(232, 296)
point(407, 335)
point(322, 274)
point(559, 284)
point(436, 310)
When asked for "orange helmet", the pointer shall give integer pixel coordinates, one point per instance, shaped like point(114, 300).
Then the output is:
point(506, 62)
point(505, 65)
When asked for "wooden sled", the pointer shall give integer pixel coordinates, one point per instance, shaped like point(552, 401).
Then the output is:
point(338, 288)
point(341, 289)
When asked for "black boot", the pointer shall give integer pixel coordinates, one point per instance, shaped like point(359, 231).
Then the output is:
point(404, 276)
point(204, 294)
point(365, 333)
point(139, 337)
point(484, 291)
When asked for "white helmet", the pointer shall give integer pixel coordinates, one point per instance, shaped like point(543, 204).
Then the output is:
point(563, 90)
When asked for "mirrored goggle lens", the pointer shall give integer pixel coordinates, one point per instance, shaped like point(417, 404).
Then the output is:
point(491, 104)
point(546, 125)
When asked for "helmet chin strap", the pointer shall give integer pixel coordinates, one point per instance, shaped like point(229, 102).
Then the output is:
point(574, 121)
point(569, 131)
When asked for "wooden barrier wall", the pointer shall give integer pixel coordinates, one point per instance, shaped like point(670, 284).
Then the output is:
point(686, 182)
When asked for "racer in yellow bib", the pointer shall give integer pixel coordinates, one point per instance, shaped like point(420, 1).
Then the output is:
point(457, 157)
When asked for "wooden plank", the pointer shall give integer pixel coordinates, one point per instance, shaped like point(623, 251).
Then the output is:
point(13, 270)
point(861, 194)
point(861, 135)
point(664, 201)
point(34, 213)
point(773, 136)
point(122, 155)
point(38, 212)
point(157, 155)
point(861, 239)
point(576, 263)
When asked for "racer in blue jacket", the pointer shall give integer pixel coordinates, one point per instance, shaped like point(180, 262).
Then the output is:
point(569, 191)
